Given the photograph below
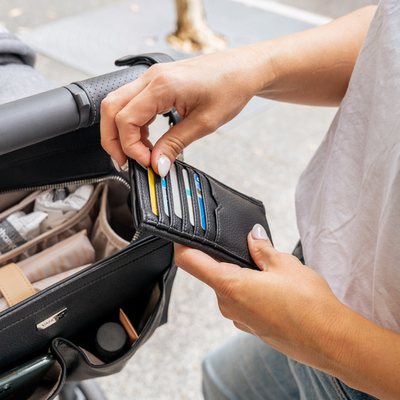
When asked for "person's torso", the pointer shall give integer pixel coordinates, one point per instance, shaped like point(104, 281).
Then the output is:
point(348, 198)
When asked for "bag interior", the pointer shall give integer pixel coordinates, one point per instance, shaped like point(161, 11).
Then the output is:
point(107, 219)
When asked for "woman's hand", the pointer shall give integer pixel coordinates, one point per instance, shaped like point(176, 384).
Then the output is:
point(292, 308)
point(285, 304)
point(310, 67)
point(207, 92)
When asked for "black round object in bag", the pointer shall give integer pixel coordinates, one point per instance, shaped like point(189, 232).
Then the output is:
point(110, 340)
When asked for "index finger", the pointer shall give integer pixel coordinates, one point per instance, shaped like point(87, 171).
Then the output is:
point(110, 107)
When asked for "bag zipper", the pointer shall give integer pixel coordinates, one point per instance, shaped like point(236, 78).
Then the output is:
point(79, 182)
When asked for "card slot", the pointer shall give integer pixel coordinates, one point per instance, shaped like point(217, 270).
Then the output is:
point(163, 219)
point(187, 228)
point(141, 196)
point(198, 230)
point(210, 206)
point(175, 221)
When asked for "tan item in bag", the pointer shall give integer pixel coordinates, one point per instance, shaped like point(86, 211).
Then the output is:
point(14, 285)
point(64, 256)
point(68, 254)
point(27, 290)
point(104, 239)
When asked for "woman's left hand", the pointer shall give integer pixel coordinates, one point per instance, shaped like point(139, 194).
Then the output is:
point(285, 304)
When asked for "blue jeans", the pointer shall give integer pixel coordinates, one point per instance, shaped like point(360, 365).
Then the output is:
point(245, 368)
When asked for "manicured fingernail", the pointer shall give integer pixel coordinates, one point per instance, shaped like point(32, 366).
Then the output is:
point(164, 165)
point(125, 167)
point(258, 233)
point(116, 166)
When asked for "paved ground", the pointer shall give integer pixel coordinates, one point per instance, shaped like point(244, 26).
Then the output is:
point(330, 8)
point(262, 157)
point(21, 15)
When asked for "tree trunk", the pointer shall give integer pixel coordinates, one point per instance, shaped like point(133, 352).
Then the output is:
point(192, 33)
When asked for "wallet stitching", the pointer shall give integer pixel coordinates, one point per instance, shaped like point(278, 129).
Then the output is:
point(218, 247)
point(198, 231)
point(187, 228)
point(162, 216)
point(218, 222)
point(82, 287)
point(174, 219)
point(210, 213)
point(252, 200)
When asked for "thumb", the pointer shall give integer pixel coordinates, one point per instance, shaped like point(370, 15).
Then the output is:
point(171, 144)
point(260, 247)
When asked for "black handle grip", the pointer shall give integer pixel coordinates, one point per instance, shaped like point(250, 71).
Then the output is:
point(43, 116)
point(97, 88)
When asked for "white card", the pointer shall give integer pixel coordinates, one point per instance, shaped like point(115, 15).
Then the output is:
point(176, 195)
point(188, 195)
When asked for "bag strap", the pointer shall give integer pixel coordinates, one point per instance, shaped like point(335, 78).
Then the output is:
point(14, 285)
point(150, 59)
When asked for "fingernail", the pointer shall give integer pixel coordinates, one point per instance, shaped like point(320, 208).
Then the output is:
point(125, 167)
point(258, 233)
point(163, 165)
point(116, 166)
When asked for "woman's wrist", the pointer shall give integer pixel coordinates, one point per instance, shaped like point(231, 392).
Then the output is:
point(360, 353)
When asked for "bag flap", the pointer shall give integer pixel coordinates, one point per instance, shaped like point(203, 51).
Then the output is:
point(74, 156)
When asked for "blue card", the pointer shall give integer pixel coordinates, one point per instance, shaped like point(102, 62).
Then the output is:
point(165, 197)
point(201, 203)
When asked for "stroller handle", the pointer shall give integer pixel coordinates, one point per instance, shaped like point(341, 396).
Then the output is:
point(49, 114)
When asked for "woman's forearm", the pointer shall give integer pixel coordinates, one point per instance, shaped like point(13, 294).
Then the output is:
point(363, 355)
point(312, 67)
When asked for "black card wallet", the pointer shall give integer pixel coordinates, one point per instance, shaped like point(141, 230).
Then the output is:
point(229, 215)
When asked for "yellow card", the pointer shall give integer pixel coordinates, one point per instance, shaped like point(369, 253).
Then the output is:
point(152, 189)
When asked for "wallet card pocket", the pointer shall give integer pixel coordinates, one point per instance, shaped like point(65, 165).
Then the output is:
point(235, 216)
point(198, 229)
point(162, 206)
point(215, 218)
point(187, 227)
point(210, 207)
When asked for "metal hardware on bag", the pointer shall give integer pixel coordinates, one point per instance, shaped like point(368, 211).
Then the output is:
point(83, 104)
point(5, 387)
point(51, 320)
point(136, 236)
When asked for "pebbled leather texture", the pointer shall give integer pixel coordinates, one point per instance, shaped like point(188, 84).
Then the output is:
point(229, 215)
point(91, 297)
point(99, 87)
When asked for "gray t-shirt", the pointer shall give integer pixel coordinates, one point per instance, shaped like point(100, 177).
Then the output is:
point(348, 198)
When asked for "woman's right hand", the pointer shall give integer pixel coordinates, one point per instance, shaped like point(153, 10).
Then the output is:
point(207, 91)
